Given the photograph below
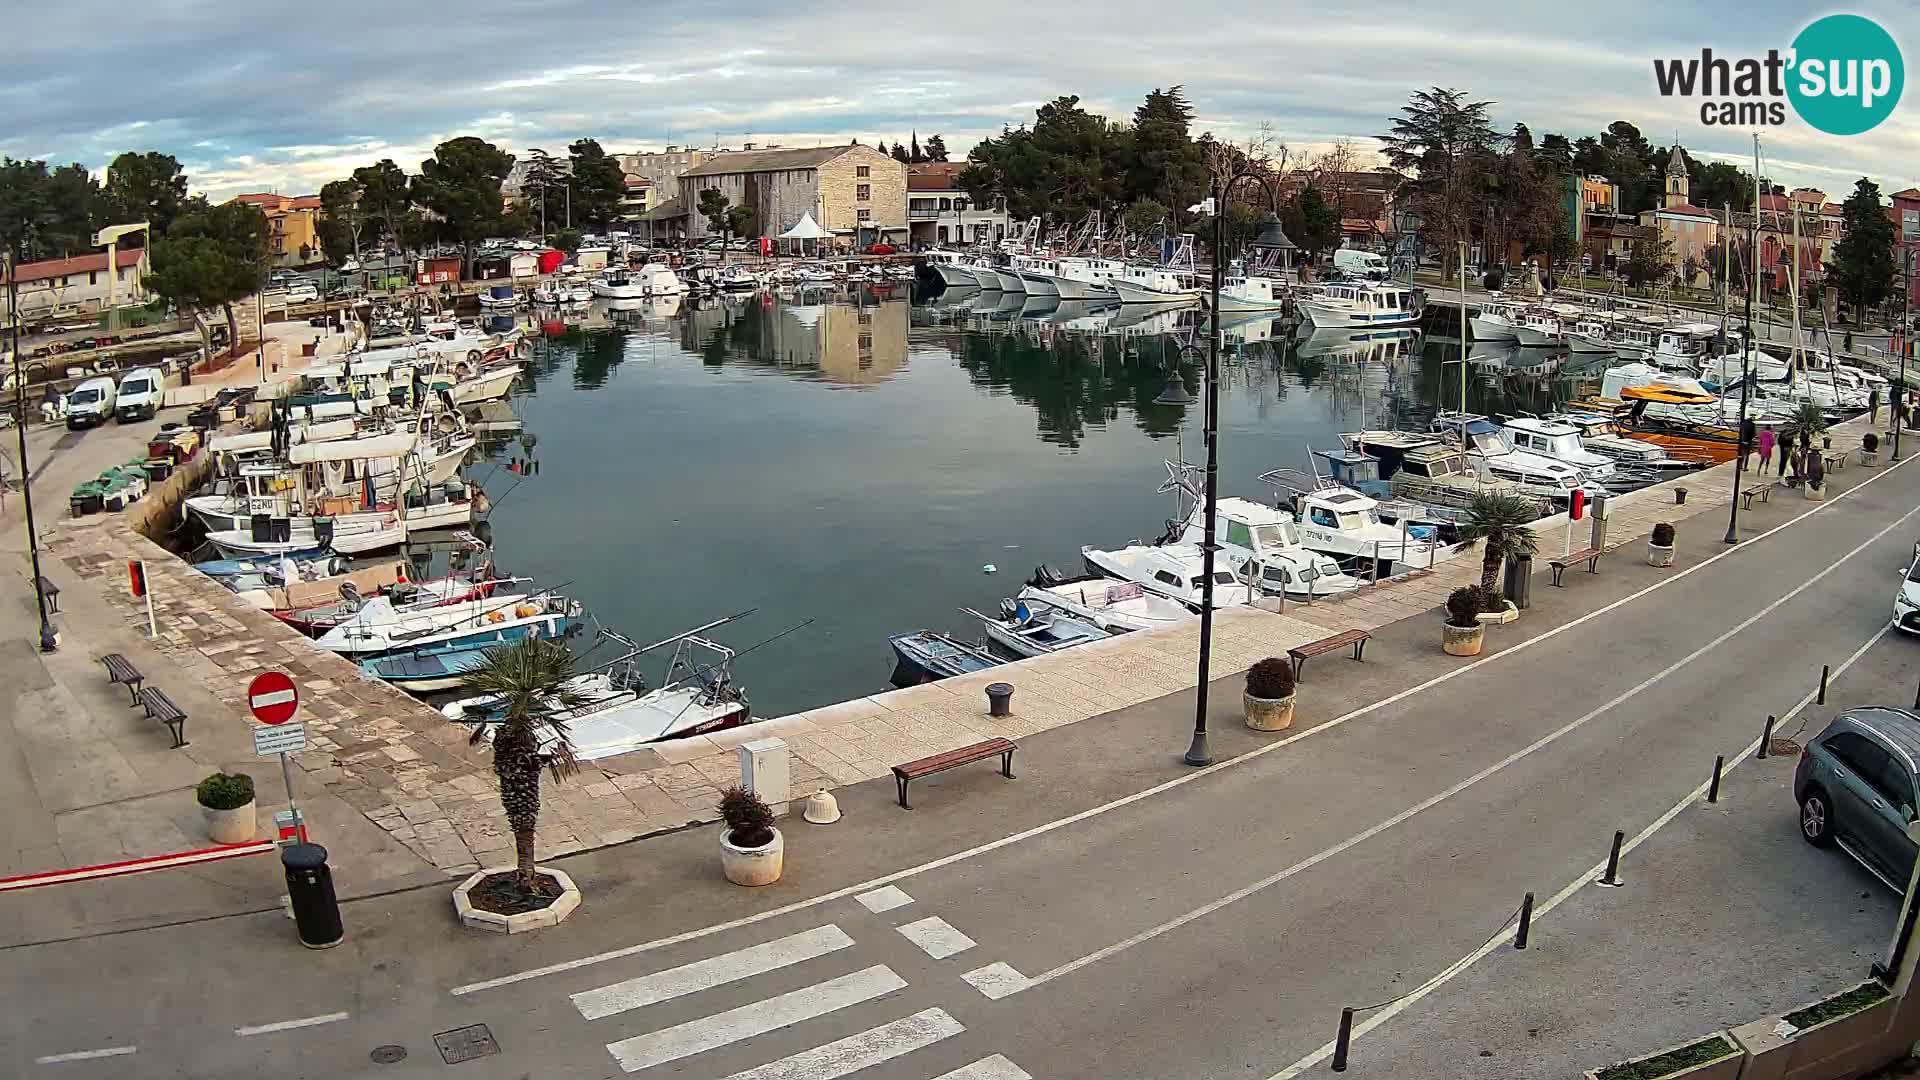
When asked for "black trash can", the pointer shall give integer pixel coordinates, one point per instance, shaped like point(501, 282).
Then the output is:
point(999, 699)
point(310, 887)
point(1518, 580)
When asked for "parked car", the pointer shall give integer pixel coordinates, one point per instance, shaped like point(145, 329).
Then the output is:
point(90, 403)
point(138, 397)
point(1855, 786)
point(303, 292)
point(1906, 599)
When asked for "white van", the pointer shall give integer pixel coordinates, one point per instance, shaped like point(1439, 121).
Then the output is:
point(139, 395)
point(1360, 263)
point(90, 403)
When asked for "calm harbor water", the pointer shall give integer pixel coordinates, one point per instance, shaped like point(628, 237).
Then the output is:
point(858, 462)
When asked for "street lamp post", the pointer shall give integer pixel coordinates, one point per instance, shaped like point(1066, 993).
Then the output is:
point(49, 641)
point(1906, 345)
point(1746, 354)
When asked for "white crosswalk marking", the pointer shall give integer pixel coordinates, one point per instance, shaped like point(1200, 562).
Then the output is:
point(988, 1068)
point(713, 971)
point(936, 937)
point(758, 1018)
point(997, 980)
point(884, 899)
point(856, 1052)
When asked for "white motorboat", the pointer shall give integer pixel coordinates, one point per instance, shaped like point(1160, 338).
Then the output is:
point(1633, 340)
point(1116, 605)
point(1157, 285)
point(491, 384)
point(1685, 347)
point(1489, 449)
point(1338, 521)
point(347, 534)
point(1540, 329)
point(1590, 336)
point(1171, 570)
point(738, 279)
point(949, 267)
point(1262, 543)
point(1083, 278)
point(1726, 369)
point(1563, 442)
point(617, 285)
point(579, 293)
point(1037, 274)
point(1496, 322)
point(1238, 292)
point(1361, 304)
point(499, 298)
point(1598, 434)
point(379, 627)
point(546, 293)
point(1035, 627)
point(1008, 281)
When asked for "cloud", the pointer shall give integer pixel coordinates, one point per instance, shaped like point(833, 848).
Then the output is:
point(255, 103)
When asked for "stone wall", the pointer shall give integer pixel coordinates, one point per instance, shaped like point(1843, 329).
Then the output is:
point(887, 191)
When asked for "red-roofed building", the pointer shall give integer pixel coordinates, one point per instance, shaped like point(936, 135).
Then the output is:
point(293, 234)
point(939, 211)
point(1905, 213)
point(80, 285)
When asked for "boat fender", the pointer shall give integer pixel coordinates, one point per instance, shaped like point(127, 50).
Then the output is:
point(496, 617)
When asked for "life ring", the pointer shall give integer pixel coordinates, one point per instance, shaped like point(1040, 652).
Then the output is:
point(474, 355)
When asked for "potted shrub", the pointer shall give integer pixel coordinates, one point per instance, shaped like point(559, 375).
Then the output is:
point(1660, 545)
point(1869, 450)
point(751, 849)
point(1462, 634)
point(226, 800)
point(1269, 694)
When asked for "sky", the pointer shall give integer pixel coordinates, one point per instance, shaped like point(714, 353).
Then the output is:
point(285, 98)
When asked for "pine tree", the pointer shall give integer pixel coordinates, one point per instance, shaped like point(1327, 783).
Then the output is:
point(882, 147)
point(900, 153)
point(936, 148)
point(914, 156)
point(1862, 265)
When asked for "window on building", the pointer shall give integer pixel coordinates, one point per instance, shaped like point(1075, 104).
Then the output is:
point(866, 342)
point(863, 171)
point(960, 205)
point(865, 215)
point(863, 192)
point(946, 204)
point(93, 277)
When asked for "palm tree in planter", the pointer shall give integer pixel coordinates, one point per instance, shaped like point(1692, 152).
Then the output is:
point(529, 683)
point(1499, 523)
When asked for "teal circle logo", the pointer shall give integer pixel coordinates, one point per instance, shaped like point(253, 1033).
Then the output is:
point(1847, 74)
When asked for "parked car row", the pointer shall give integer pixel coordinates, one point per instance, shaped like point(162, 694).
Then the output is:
point(136, 395)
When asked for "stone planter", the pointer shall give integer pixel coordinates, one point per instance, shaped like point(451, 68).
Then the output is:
point(1815, 494)
point(1659, 556)
point(551, 915)
point(1869, 459)
point(752, 866)
point(1268, 714)
point(1726, 1067)
point(1499, 618)
point(235, 826)
point(1462, 640)
point(1842, 1046)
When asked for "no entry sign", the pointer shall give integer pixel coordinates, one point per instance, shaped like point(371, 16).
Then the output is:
point(273, 697)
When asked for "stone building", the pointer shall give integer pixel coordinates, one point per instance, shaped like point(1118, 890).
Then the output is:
point(854, 191)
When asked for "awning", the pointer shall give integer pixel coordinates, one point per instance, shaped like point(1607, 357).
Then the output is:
point(380, 446)
point(806, 229)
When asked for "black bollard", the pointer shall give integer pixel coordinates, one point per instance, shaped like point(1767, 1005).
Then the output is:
point(1713, 789)
point(1766, 736)
point(1611, 878)
point(316, 912)
point(1341, 1040)
point(1825, 670)
point(1526, 922)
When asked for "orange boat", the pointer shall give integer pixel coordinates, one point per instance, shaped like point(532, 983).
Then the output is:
point(1717, 443)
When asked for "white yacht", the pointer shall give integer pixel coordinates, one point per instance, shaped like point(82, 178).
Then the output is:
point(1590, 336)
point(1562, 442)
point(1361, 304)
point(1262, 540)
point(1540, 329)
point(1496, 322)
point(1489, 448)
point(1170, 570)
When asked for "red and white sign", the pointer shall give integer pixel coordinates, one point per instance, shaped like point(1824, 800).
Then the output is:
point(273, 697)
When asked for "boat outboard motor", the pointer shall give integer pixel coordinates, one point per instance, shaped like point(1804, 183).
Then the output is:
point(1045, 577)
point(323, 532)
point(351, 595)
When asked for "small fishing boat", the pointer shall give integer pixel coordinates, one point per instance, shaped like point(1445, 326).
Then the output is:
point(346, 534)
point(929, 655)
point(1262, 543)
point(1540, 329)
point(1361, 304)
point(378, 627)
point(406, 596)
point(1590, 336)
point(1176, 571)
point(1345, 524)
point(1496, 322)
point(499, 297)
point(1035, 628)
point(1239, 292)
point(1114, 605)
point(311, 564)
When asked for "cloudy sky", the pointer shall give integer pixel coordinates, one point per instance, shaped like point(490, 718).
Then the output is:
point(286, 97)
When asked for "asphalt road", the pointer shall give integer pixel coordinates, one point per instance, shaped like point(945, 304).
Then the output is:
point(1209, 925)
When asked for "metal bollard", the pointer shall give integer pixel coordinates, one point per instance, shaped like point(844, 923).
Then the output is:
point(1825, 670)
point(1713, 788)
point(1526, 922)
point(999, 699)
point(1611, 879)
point(1342, 1040)
point(1766, 736)
point(1373, 572)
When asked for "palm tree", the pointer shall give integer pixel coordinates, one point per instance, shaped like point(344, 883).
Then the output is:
point(528, 679)
point(1500, 520)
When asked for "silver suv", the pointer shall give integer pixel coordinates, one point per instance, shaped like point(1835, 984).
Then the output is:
point(1855, 784)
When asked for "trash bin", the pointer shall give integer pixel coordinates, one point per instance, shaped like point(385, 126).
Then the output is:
point(1518, 582)
point(310, 888)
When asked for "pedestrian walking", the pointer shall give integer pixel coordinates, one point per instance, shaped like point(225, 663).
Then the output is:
point(1766, 448)
point(1786, 449)
point(1873, 405)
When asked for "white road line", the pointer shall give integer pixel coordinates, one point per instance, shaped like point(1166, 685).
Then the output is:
point(856, 1052)
point(758, 1018)
point(1187, 777)
point(84, 1055)
point(1447, 975)
point(936, 937)
point(289, 1025)
point(713, 971)
point(996, 980)
point(886, 899)
point(988, 1068)
point(1434, 800)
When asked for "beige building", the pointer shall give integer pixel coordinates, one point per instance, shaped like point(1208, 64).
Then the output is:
point(80, 285)
point(1688, 230)
point(854, 191)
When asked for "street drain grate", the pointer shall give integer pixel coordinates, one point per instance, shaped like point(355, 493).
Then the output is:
point(387, 1055)
point(465, 1044)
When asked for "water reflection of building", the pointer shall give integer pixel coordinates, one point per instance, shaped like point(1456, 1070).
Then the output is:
point(851, 344)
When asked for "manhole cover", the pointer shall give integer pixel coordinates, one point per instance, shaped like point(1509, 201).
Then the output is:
point(387, 1055)
point(465, 1044)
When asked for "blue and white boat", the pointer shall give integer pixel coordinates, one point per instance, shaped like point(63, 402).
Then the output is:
point(1034, 627)
point(380, 629)
point(929, 655)
point(318, 557)
point(1361, 303)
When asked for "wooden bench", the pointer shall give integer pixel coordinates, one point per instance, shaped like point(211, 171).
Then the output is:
point(52, 592)
point(1356, 638)
point(1835, 460)
point(161, 707)
point(1762, 491)
point(121, 670)
point(953, 759)
point(1590, 556)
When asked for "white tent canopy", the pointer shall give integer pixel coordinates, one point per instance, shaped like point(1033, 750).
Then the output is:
point(806, 229)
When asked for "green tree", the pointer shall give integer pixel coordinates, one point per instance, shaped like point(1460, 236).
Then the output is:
point(1144, 216)
point(544, 173)
point(461, 184)
point(567, 240)
point(936, 148)
point(725, 219)
point(1442, 146)
point(1163, 162)
point(230, 266)
point(598, 183)
point(1649, 262)
point(900, 153)
point(529, 682)
point(341, 222)
point(1862, 266)
point(385, 199)
point(914, 155)
point(47, 213)
point(1312, 222)
point(147, 187)
point(1499, 523)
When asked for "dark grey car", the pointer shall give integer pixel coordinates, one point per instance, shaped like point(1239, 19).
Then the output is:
point(1855, 784)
